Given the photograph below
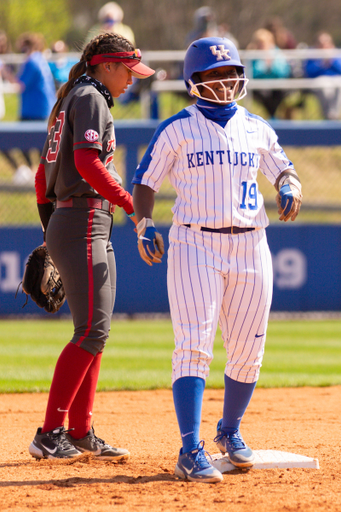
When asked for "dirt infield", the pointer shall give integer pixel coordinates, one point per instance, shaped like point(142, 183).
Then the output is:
point(303, 420)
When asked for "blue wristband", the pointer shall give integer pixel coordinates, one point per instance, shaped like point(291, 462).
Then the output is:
point(131, 214)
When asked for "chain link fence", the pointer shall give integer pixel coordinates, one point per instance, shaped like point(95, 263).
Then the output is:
point(318, 167)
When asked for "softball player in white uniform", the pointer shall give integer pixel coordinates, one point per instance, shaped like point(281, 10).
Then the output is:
point(219, 263)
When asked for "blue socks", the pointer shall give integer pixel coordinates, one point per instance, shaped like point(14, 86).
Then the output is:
point(237, 398)
point(188, 394)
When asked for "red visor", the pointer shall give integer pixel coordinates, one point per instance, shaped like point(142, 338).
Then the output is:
point(131, 60)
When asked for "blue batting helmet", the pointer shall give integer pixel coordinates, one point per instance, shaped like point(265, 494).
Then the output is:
point(209, 53)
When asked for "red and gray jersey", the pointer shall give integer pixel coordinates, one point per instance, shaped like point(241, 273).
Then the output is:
point(84, 122)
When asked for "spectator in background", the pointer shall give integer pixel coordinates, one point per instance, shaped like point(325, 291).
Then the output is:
point(224, 31)
point(330, 97)
point(37, 92)
point(6, 71)
point(205, 25)
point(275, 66)
point(110, 17)
point(61, 65)
point(7, 74)
point(284, 39)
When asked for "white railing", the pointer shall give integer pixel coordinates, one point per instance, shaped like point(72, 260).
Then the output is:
point(320, 82)
point(163, 58)
point(246, 57)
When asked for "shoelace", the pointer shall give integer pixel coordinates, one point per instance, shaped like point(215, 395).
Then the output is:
point(200, 458)
point(97, 439)
point(60, 439)
point(235, 439)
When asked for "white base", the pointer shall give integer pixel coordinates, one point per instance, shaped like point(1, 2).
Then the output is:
point(268, 459)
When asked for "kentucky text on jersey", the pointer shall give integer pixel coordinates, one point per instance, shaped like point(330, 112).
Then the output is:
point(214, 169)
point(222, 157)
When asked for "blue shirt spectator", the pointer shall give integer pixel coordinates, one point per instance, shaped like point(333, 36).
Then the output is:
point(38, 92)
point(330, 97)
point(323, 67)
point(61, 64)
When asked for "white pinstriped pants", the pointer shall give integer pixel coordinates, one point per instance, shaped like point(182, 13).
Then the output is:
point(213, 278)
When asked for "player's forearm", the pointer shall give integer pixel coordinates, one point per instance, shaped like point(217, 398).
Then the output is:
point(96, 174)
point(143, 199)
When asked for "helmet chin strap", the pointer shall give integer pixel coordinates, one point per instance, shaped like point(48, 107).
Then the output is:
point(237, 94)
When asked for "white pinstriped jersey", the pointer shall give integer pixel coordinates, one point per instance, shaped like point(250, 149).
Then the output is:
point(213, 169)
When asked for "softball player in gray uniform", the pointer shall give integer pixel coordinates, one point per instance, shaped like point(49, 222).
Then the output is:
point(77, 181)
point(219, 263)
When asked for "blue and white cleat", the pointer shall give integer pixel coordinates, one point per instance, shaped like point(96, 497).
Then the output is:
point(195, 467)
point(239, 454)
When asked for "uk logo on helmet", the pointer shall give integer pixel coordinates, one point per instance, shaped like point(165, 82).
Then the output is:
point(222, 53)
point(91, 135)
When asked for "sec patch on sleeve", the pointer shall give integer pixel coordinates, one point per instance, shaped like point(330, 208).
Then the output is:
point(91, 135)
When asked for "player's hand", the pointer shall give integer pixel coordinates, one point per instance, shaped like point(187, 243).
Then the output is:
point(289, 200)
point(150, 242)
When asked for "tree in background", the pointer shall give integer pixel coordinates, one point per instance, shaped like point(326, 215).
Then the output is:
point(163, 24)
point(49, 17)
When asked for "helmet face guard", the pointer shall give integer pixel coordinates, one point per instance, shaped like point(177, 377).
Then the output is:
point(209, 53)
point(239, 89)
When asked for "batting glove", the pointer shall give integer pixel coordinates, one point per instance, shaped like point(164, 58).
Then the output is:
point(289, 198)
point(150, 242)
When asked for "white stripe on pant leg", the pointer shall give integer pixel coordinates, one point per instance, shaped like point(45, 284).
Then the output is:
point(195, 295)
point(246, 307)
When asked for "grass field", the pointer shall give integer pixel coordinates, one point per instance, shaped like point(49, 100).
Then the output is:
point(138, 354)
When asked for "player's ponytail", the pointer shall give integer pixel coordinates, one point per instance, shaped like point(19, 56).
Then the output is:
point(75, 72)
point(103, 43)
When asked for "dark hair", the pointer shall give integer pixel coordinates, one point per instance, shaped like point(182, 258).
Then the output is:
point(103, 43)
point(31, 42)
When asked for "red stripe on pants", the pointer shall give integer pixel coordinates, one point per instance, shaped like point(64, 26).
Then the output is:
point(90, 276)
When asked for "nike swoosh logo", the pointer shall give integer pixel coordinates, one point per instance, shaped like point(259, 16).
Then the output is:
point(253, 131)
point(259, 335)
point(49, 450)
point(97, 452)
point(62, 410)
point(189, 471)
point(144, 238)
point(188, 433)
